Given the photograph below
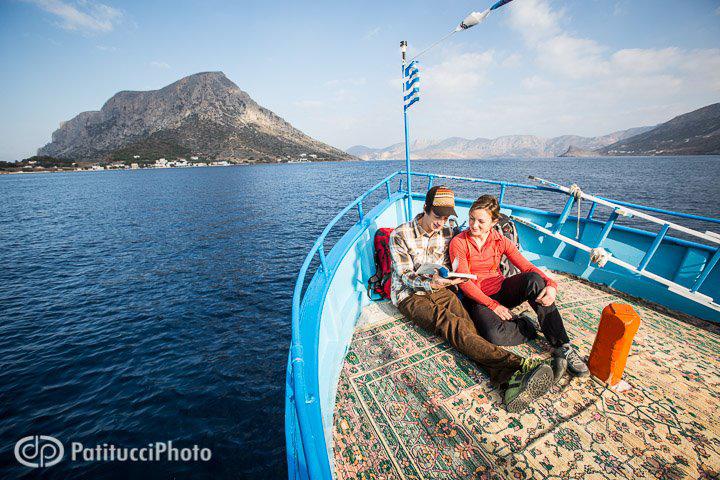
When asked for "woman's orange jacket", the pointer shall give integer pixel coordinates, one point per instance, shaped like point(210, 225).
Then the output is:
point(485, 263)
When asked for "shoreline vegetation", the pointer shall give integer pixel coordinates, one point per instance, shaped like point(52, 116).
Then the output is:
point(48, 164)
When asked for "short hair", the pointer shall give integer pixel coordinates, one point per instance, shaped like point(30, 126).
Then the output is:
point(487, 202)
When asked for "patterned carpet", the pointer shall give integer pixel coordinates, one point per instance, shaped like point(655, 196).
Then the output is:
point(410, 407)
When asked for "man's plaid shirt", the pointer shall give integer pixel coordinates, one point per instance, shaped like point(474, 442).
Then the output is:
point(410, 248)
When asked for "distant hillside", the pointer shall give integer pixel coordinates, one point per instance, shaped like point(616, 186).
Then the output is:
point(694, 133)
point(203, 114)
point(507, 146)
point(579, 152)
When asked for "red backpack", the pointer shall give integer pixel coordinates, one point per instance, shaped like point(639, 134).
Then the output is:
point(380, 282)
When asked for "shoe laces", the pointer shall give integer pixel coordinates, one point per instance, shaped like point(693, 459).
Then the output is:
point(528, 364)
point(572, 356)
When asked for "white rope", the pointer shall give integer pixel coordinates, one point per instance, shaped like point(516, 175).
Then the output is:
point(577, 194)
point(600, 256)
point(431, 46)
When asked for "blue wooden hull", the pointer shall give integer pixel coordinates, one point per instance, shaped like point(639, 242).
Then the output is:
point(324, 317)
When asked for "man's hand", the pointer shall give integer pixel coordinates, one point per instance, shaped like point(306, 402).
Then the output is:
point(437, 282)
point(503, 312)
point(546, 296)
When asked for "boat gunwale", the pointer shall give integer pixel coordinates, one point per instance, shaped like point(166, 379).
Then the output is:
point(308, 427)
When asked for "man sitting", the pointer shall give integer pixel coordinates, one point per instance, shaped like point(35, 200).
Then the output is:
point(428, 302)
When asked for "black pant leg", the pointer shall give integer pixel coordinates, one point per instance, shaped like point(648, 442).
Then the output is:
point(491, 327)
point(513, 291)
point(527, 286)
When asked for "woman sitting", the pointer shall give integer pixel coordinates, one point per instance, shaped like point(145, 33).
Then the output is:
point(478, 250)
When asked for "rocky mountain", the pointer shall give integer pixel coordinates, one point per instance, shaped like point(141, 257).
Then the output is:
point(203, 114)
point(694, 133)
point(507, 146)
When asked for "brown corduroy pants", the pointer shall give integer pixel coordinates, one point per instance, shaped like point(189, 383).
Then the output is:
point(442, 313)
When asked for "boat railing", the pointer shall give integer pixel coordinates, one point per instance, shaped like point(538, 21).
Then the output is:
point(619, 209)
point(504, 185)
point(304, 400)
point(633, 210)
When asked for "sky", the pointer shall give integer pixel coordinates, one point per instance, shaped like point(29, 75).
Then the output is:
point(332, 69)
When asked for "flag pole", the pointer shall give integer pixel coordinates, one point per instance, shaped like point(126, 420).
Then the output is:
point(412, 93)
point(403, 49)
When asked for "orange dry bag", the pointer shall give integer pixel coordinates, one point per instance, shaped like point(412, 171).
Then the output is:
point(618, 325)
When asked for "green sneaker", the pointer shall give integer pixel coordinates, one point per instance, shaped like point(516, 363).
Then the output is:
point(558, 365)
point(528, 364)
point(533, 380)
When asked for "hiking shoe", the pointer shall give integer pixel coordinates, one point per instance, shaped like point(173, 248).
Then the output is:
point(559, 366)
point(575, 364)
point(529, 364)
point(527, 384)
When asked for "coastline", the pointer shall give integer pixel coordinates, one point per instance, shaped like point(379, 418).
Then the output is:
point(81, 170)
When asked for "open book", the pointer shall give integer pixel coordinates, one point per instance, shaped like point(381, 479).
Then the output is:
point(429, 269)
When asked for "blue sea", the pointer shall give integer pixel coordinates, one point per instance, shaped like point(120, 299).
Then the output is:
point(154, 305)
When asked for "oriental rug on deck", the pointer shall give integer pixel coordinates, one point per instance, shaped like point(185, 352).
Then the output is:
point(409, 406)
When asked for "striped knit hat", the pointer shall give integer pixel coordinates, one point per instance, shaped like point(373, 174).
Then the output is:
point(441, 200)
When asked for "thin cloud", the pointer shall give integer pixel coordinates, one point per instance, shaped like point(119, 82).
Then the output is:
point(85, 16)
point(511, 61)
point(611, 87)
point(371, 33)
point(573, 57)
point(160, 65)
point(459, 74)
point(572, 84)
point(536, 82)
point(309, 103)
point(619, 9)
point(352, 81)
point(106, 48)
point(535, 20)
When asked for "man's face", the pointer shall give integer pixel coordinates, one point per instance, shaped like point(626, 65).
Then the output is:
point(480, 222)
point(434, 223)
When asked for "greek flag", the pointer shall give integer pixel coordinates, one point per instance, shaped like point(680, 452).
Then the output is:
point(411, 84)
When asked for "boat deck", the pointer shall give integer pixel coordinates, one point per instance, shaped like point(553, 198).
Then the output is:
point(409, 406)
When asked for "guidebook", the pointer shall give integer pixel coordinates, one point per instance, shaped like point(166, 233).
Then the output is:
point(429, 269)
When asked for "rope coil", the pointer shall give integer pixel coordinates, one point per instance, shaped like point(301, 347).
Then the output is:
point(575, 191)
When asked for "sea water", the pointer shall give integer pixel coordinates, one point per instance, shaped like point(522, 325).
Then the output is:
point(153, 306)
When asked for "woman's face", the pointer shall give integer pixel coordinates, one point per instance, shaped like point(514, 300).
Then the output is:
point(480, 222)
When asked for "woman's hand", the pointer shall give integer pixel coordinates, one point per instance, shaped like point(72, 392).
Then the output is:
point(502, 312)
point(546, 297)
